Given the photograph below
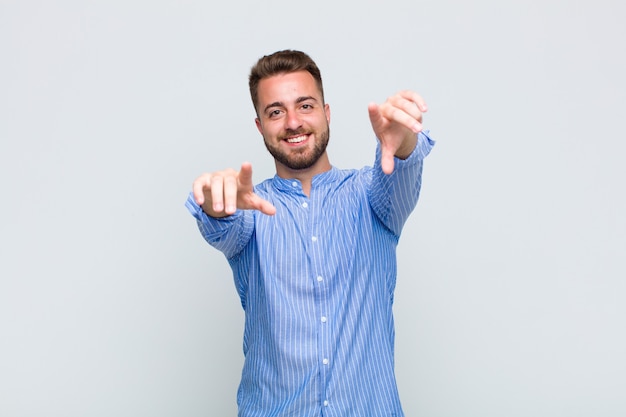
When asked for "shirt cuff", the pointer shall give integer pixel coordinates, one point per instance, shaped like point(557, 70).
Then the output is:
point(424, 145)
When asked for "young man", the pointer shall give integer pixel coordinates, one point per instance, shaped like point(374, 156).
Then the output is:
point(313, 249)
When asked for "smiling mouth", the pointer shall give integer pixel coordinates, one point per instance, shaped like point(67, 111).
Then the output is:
point(296, 139)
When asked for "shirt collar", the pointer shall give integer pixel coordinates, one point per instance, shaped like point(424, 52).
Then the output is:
point(292, 184)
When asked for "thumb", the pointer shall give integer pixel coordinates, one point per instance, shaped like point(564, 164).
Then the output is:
point(376, 117)
point(262, 205)
point(255, 202)
point(387, 160)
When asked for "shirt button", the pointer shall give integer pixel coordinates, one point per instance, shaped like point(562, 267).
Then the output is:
point(305, 205)
point(325, 361)
point(324, 319)
point(319, 279)
point(294, 184)
point(314, 238)
point(325, 403)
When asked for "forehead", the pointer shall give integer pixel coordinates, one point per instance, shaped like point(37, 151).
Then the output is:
point(287, 87)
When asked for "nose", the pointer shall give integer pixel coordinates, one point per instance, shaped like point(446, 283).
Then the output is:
point(293, 121)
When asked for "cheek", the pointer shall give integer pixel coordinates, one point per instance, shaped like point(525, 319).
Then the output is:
point(268, 131)
point(264, 128)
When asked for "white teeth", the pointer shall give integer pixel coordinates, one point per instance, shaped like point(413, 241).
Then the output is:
point(296, 140)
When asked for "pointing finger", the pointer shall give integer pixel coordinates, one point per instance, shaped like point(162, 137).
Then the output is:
point(245, 175)
point(254, 201)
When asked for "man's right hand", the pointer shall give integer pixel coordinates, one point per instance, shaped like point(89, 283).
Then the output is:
point(221, 193)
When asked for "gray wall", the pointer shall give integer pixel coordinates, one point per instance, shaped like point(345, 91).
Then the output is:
point(510, 299)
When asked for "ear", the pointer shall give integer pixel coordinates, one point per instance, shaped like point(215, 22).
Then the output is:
point(259, 126)
point(327, 111)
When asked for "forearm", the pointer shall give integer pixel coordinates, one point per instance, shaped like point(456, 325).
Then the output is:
point(394, 196)
point(227, 234)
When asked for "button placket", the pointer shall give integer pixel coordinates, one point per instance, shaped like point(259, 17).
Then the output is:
point(317, 247)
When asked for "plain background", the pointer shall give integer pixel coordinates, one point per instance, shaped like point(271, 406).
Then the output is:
point(511, 290)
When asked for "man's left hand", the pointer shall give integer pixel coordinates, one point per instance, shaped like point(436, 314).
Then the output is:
point(396, 124)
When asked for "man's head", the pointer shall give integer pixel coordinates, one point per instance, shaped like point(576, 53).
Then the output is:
point(282, 62)
point(293, 119)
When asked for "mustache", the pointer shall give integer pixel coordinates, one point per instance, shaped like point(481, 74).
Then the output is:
point(291, 132)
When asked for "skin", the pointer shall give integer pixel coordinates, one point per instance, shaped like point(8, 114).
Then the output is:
point(290, 108)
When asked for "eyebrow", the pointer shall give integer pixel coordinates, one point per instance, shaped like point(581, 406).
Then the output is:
point(281, 104)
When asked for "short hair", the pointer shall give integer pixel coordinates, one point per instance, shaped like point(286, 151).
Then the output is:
point(282, 62)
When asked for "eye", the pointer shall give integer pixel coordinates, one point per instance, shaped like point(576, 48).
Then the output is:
point(307, 106)
point(274, 113)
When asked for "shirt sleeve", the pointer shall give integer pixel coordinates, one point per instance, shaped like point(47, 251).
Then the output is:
point(393, 197)
point(227, 234)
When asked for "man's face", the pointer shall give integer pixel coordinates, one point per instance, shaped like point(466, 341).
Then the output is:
point(293, 119)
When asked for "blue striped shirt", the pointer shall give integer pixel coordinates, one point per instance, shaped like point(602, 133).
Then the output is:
point(316, 282)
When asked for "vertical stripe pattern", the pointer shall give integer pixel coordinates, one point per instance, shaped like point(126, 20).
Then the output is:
point(316, 282)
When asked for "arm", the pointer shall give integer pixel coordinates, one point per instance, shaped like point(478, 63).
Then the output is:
point(394, 196)
point(228, 234)
point(397, 173)
point(222, 202)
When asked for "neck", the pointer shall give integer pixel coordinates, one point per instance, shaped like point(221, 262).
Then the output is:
point(305, 176)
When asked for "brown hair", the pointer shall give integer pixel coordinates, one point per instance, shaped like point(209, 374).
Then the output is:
point(279, 63)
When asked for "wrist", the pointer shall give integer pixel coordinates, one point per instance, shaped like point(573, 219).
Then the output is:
point(407, 147)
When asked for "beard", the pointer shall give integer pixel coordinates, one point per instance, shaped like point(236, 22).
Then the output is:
point(298, 159)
